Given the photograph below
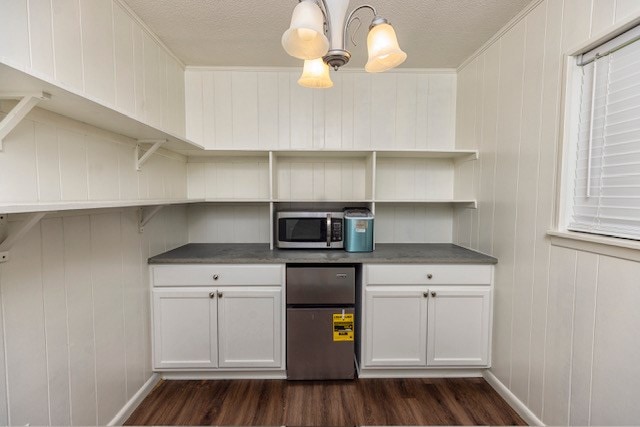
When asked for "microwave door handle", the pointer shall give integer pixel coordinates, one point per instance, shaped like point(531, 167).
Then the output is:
point(328, 230)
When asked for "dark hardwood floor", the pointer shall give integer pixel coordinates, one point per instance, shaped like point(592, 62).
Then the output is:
point(469, 401)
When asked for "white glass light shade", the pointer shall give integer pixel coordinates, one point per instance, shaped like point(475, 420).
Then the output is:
point(305, 37)
point(315, 74)
point(384, 51)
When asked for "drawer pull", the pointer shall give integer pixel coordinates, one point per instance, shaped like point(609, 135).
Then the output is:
point(433, 294)
point(219, 294)
point(429, 276)
point(212, 294)
point(425, 294)
point(216, 277)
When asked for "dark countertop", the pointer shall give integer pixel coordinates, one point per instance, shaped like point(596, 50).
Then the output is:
point(258, 253)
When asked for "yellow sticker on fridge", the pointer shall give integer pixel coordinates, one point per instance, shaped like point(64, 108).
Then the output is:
point(343, 327)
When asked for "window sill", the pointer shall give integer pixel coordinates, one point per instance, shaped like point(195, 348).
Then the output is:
point(602, 245)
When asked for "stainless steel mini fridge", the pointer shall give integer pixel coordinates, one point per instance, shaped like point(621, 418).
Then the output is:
point(320, 323)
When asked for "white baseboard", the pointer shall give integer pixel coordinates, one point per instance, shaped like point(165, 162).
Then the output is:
point(522, 410)
point(135, 400)
point(418, 373)
point(224, 375)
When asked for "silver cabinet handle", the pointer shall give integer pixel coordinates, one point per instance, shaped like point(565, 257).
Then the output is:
point(216, 277)
point(429, 276)
point(212, 294)
point(433, 294)
point(219, 294)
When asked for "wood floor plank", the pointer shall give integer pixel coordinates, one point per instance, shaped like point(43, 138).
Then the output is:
point(420, 401)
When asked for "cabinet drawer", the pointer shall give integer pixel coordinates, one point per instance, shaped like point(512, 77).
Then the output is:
point(427, 274)
point(218, 275)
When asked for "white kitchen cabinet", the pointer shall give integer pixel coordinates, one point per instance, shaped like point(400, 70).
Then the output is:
point(426, 316)
point(458, 326)
point(395, 326)
point(249, 327)
point(218, 316)
point(185, 328)
point(225, 327)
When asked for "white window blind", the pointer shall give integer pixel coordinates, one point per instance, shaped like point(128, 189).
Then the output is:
point(606, 197)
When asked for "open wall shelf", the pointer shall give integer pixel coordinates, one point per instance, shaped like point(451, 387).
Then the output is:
point(67, 102)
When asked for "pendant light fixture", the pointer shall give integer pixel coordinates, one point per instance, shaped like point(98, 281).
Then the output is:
point(319, 32)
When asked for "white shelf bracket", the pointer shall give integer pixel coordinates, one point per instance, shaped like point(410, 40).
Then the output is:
point(17, 113)
point(145, 217)
point(156, 143)
point(7, 240)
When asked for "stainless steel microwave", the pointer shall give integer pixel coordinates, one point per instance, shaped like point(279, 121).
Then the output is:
point(309, 229)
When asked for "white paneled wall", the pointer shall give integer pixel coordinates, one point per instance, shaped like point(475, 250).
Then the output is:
point(414, 179)
point(49, 158)
point(229, 223)
point(317, 179)
point(565, 321)
point(228, 177)
point(99, 50)
point(75, 343)
point(252, 109)
point(413, 223)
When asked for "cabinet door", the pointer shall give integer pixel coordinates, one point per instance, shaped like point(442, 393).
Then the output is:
point(250, 327)
point(459, 326)
point(184, 328)
point(395, 326)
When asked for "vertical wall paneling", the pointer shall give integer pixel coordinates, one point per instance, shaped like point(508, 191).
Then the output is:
point(488, 148)
point(301, 114)
point(55, 312)
point(67, 45)
point(96, 20)
point(82, 359)
point(383, 109)
point(124, 61)
point(229, 223)
point(406, 117)
point(4, 400)
point(22, 297)
point(526, 200)
point(267, 110)
point(41, 36)
point(14, 31)
point(362, 112)
point(106, 279)
point(582, 345)
point(348, 101)
point(223, 110)
point(18, 166)
point(244, 87)
point(562, 284)
point(616, 373)
point(508, 145)
point(74, 297)
point(333, 106)
point(563, 318)
point(626, 8)
point(139, 71)
point(441, 110)
point(195, 109)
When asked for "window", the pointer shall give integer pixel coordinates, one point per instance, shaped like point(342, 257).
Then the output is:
point(603, 162)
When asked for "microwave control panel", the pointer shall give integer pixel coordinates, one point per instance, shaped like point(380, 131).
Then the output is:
point(336, 232)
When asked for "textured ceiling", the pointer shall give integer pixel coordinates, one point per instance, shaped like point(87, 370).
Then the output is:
point(434, 33)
